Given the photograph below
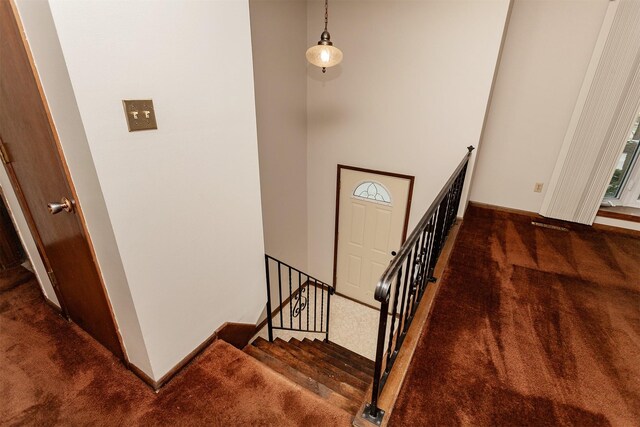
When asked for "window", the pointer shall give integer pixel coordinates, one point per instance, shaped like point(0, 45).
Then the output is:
point(624, 188)
point(374, 191)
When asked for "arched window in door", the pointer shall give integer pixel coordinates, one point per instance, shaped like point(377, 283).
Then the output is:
point(372, 191)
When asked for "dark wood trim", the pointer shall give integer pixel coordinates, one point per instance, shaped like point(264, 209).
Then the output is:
point(156, 385)
point(186, 361)
point(618, 215)
point(236, 334)
point(411, 179)
point(144, 377)
point(567, 224)
point(507, 210)
point(337, 225)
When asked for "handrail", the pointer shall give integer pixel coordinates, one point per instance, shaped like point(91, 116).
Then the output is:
point(410, 271)
point(316, 281)
point(294, 298)
point(384, 284)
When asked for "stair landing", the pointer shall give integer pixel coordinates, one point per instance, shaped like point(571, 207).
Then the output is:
point(336, 374)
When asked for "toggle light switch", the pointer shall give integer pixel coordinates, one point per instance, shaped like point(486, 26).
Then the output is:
point(140, 114)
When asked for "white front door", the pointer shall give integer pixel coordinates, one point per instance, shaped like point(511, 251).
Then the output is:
point(371, 223)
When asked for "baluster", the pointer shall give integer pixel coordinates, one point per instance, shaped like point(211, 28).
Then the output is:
point(393, 316)
point(415, 280)
point(402, 325)
point(438, 232)
point(306, 285)
point(269, 320)
point(321, 306)
point(299, 301)
point(315, 304)
point(432, 240)
point(326, 339)
point(290, 301)
point(412, 266)
point(280, 291)
point(429, 251)
point(423, 253)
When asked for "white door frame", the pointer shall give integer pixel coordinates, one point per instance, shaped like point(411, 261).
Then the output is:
point(411, 180)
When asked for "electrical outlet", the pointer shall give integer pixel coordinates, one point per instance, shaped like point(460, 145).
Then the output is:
point(538, 187)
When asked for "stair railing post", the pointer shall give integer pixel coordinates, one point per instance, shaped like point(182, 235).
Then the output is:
point(371, 410)
point(269, 319)
point(329, 293)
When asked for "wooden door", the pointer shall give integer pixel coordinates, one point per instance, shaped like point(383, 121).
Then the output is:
point(372, 219)
point(39, 177)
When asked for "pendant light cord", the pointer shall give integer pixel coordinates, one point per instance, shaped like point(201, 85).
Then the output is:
point(326, 13)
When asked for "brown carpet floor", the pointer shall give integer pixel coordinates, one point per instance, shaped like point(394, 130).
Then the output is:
point(52, 373)
point(13, 277)
point(532, 327)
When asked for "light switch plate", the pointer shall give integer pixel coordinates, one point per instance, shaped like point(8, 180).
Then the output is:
point(140, 114)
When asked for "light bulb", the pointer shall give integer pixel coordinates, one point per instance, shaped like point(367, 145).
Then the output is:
point(324, 55)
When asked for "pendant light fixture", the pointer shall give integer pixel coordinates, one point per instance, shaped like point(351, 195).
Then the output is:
point(324, 54)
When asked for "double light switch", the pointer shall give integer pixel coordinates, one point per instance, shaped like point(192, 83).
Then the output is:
point(140, 114)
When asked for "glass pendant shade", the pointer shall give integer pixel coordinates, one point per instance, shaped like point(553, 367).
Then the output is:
point(324, 55)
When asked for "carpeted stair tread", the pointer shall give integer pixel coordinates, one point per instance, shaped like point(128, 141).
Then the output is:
point(329, 358)
point(299, 378)
point(347, 360)
point(303, 366)
point(345, 351)
point(52, 373)
point(313, 360)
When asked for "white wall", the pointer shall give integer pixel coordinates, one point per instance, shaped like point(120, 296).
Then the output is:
point(184, 200)
point(545, 57)
point(43, 40)
point(279, 34)
point(409, 97)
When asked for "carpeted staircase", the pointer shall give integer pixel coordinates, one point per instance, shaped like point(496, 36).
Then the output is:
point(339, 376)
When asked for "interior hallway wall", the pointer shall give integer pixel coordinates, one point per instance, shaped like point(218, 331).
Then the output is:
point(279, 34)
point(183, 200)
point(544, 60)
point(409, 97)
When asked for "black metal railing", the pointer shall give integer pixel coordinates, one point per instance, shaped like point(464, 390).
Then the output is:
point(304, 302)
point(405, 280)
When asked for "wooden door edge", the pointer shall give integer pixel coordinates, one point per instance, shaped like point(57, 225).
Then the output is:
point(35, 234)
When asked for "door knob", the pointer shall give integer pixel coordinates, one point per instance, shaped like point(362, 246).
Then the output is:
point(393, 253)
point(64, 205)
